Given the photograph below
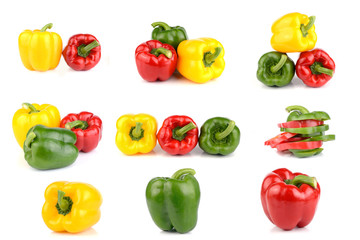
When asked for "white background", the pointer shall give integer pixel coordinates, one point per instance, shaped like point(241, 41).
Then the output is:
point(230, 206)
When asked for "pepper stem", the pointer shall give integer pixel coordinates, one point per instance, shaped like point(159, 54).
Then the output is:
point(280, 64)
point(136, 132)
point(326, 71)
point(209, 58)
point(221, 135)
point(298, 108)
point(29, 139)
point(47, 26)
point(161, 50)
point(182, 131)
point(302, 179)
point(161, 24)
point(84, 50)
point(29, 106)
point(306, 28)
point(64, 204)
point(178, 174)
point(77, 124)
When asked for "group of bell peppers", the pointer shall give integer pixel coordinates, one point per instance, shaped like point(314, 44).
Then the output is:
point(295, 32)
point(41, 50)
point(49, 142)
point(303, 134)
point(198, 60)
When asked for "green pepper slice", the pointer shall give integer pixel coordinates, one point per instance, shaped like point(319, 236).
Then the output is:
point(306, 130)
point(306, 153)
point(323, 138)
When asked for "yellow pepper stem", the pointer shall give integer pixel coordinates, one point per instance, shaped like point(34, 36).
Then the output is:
point(280, 64)
point(306, 28)
point(137, 133)
point(30, 107)
point(47, 26)
point(221, 135)
point(209, 58)
point(64, 204)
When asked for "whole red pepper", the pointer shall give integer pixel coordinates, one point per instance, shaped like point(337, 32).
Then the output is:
point(155, 60)
point(87, 127)
point(289, 199)
point(178, 135)
point(83, 52)
point(315, 68)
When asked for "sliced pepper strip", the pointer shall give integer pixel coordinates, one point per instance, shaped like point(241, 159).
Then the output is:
point(323, 138)
point(306, 153)
point(299, 145)
point(307, 130)
point(279, 139)
point(301, 123)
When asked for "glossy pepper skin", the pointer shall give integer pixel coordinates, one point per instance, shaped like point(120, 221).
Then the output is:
point(40, 50)
point(49, 148)
point(82, 52)
point(289, 199)
point(219, 136)
point(315, 68)
point(87, 128)
point(294, 32)
point(136, 133)
point(166, 34)
point(297, 113)
point(275, 69)
point(201, 60)
point(71, 206)
point(32, 114)
point(173, 202)
point(155, 60)
point(178, 135)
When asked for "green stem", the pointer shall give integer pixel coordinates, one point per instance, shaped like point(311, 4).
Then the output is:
point(47, 26)
point(30, 107)
point(161, 50)
point(280, 64)
point(306, 28)
point(298, 108)
point(178, 174)
point(77, 124)
point(29, 139)
point(209, 57)
point(84, 50)
point(302, 179)
point(161, 24)
point(64, 204)
point(321, 69)
point(221, 135)
point(136, 132)
point(182, 131)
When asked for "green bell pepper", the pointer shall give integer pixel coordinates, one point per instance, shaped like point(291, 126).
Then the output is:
point(173, 202)
point(219, 136)
point(275, 69)
point(306, 153)
point(170, 35)
point(301, 113)
point(49, 148)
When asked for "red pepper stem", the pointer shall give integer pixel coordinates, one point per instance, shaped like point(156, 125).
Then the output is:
point(298, 108)
point(306, 28)
point(30, 107)
point(209, 57)
point(29, 139)
point(302, 179)
point(280, 64)
point(178, 174)
point(84, 50)
point(182, 131)
point(221, 135)
point(161, 50)
point(77, 124)
point(161, 24)
point(47, 26)
point(326, 71)
point(136, 132)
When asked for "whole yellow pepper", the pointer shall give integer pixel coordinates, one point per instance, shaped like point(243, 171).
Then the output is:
point(200, 60)
point(294, 32)
point(71, 207)
point(40, 50)
point(32, 114)
point(136, 133)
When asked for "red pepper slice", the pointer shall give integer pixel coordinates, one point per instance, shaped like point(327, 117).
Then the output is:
point(299, 145)
point(279, 139)
point(301, 123)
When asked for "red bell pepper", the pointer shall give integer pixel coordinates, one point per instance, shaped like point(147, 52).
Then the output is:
point(315, 68)
point(289, 199)
point(298, 145)
point(178, 135)
point(87, 127)
point(155, 60)
point(273, 142)
point(301, 124)
point(83, 52)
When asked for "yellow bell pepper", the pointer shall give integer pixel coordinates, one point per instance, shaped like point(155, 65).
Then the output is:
point(294, 32)
point(40, 50)
point(32, 114)
point(200, 60)
point(71, 207)
point(136, 133)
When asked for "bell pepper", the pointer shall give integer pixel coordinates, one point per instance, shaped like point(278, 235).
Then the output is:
point(155, 60)
point(301, 113)
point(306, 153)
point(32, 114)
point(219, 136)
point(178, 135)
point(275, 69)
point(282, 137)
point(315, 68)
point(82, 52)
point(306, 130)
point(71, 206)
point(289, 199)
point(87, 128)
point(201, 60)
point(173, 202)
point(49, 148)
point(294, 32)
point(166, 34)
point(136, 133)
point(40, 50)
point(301, 123)
point(298, 145)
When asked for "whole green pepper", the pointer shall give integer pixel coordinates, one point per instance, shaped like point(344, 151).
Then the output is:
point(275, 69)
point(219, 136)
point(173, 202)
point(170, 35)
point(301, 113)
point(49, 148)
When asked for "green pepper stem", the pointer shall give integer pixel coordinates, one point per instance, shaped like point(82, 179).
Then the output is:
point(47, 26)
point(326, 71)
point(280, 64)
point(298, 108)
point(29, 139)
point(136, 132)
point(77, 124)
point(210, 57)
point(221, 135)
point(161, 50)
point(84, 50)
point(182, 131)
point(181, 172)
point(161, 24)
point(306, 28)
point(302, 179)
point(30, 107)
